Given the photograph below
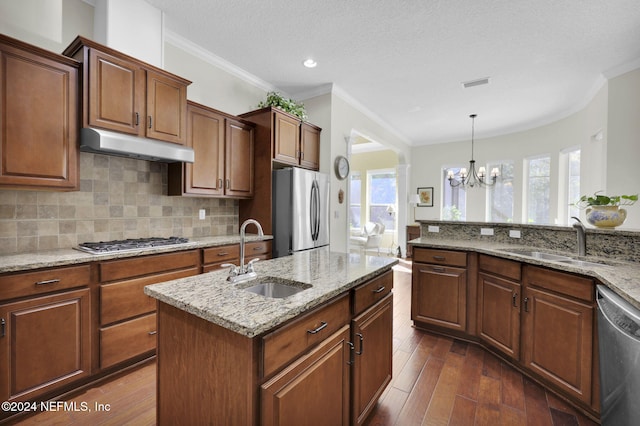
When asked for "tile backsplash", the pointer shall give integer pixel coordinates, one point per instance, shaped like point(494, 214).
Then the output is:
point(118, 198)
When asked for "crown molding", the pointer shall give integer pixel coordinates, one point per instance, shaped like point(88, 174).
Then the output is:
point(202, 53)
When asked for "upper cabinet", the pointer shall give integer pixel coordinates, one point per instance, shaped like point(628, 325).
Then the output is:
point(292, 142)
point(38, 118)
point(126, 95)
point(223, 147)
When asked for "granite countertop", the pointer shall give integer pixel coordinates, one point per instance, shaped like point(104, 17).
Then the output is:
point(52, 258)
point(620, 276)
point(210, 297)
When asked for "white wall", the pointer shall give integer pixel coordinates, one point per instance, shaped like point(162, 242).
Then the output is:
point(578, 129)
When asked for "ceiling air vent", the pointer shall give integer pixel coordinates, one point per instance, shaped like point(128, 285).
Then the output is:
point(477, 82)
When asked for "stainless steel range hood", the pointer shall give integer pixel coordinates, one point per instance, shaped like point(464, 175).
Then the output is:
point(113, 143)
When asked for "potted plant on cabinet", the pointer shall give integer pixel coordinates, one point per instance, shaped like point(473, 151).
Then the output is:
point(603, 211)
point(275, 99)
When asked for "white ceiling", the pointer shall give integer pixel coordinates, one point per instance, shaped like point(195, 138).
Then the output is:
point(405, 60)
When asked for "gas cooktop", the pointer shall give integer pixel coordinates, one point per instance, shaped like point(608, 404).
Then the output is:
point(130, 244)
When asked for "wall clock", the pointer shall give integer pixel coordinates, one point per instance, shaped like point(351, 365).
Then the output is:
point(341, 166)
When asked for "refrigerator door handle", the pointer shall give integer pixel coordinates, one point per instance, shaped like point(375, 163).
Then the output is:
point(315, 209)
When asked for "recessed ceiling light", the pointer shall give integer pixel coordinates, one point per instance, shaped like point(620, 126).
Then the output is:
point(310, 63)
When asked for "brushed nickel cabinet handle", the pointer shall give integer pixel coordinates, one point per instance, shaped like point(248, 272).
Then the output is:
point(323, 325)
point(379, 290)
point(514, 297)
point(526, 304)
point(150, 121)
point(439, 258)
point(361, 338)
point(154, 332)
point(48, 282)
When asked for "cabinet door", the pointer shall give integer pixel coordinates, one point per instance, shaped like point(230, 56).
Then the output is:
point(205, 134)
point(314, 390)
point(309, 146)
point(557, 339)
point(39, 121)
point(166, 108)
point(372, 336)
point(45, 344)
point(239, 159)
point(286, 143)
point(439, 296)
point(116, 94)
point(499, 314)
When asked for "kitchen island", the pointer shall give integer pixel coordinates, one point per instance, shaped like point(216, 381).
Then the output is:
point(226, 355)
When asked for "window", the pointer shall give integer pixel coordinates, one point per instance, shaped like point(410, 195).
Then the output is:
point(454, 200)
point(355, 207)
point(500, 195)
point(538, 171)
point(572, 164)
point(382, 197)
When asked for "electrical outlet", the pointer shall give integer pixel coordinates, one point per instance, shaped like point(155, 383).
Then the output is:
point(514, 233)
point(433, 228)
point(486, 231)
point(202, 213)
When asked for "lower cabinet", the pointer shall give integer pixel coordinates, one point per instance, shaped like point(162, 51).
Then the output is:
point(314, 390)
point(127, 315)
point(499, 295)
point(372, 363)
point(439, 290)
point(44, 344)
point(558, 330)
point(327, 366)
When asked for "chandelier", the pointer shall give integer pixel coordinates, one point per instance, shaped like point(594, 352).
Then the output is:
point(472, 177)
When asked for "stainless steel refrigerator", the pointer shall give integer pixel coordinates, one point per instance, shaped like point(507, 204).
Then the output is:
point(300, 210)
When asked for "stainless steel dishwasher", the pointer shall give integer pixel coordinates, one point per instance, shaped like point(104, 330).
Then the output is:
point(619, 344)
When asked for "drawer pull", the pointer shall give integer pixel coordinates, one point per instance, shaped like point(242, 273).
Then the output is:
point(514, 297)
point(379, 290)
point(223, 253)
point(3, 325)
point(258, 248)
point(526, 304)
point(319, 329)
point(439, 258)
point(437, 269)
point(47, 282)
point(151, 333)
point(361, 338)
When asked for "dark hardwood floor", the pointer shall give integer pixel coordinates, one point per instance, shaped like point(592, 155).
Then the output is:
point(436, 381)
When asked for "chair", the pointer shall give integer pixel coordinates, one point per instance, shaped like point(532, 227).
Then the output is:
point(370, 238)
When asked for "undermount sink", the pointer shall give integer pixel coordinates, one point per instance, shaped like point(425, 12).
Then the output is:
point(276, 288)
point(554, 257)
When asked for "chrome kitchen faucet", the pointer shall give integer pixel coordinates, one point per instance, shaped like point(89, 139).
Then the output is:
point(582, 238)
point(242, 272)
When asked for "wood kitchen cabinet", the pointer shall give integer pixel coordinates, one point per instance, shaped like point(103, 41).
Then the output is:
point(214, 257)
point(499, 303)
point(127, 315)
point(557, 330)
point(308, 370)
point(38, 117)
point(45, 331)
point(413, 232)
point(371, 335)
point(223, 147)
point(314, 390)
point(281, 140)
point(124, 94)
point(439, 288)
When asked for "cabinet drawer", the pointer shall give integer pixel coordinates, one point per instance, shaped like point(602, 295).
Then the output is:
point(497, 266)
point(145, 265)
point(126, 340)
point(220, 254)
point(126, 299)
point(369, 293)
point(286, 343)
point(560, 282)
point(44, 281)
point(439, 257)
point(256, 248)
